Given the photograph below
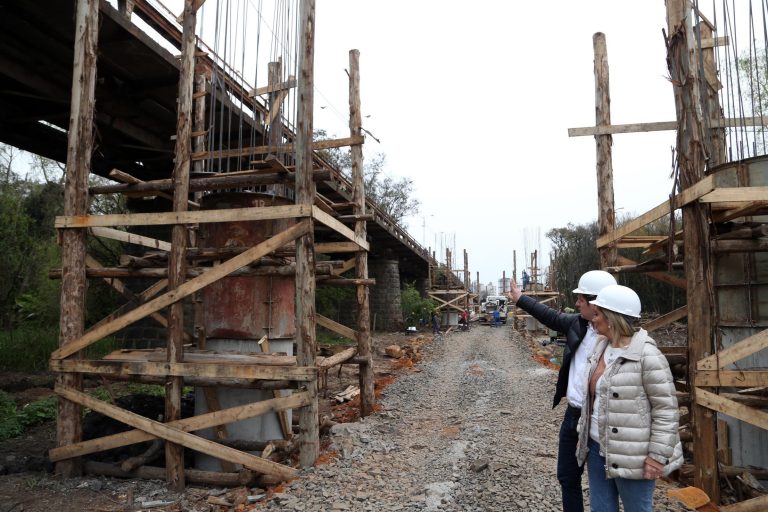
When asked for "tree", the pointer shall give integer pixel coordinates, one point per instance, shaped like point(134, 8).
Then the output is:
point(394, 196)
point(575, 252)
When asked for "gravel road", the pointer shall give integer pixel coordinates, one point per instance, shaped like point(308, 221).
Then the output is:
point(471, 428)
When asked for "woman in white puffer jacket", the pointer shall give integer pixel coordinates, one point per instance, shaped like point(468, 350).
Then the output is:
point(628, 430)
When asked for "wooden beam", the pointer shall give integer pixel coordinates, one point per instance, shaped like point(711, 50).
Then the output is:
point(659, 126)
point(124, 177)
point(731, 378)
point(333, 247)
point(743, 210)
point(285, 148)
point(219, 181)
point(733, 409)
point(119, 287)
point(735, 352)
point(198, 369)
point(756, 245)
point(259, 91)
point(188, 288)
point(659, 276)
point(195, 217)
point(339, 358)
point(130, 238)
point(178, 436)
point(350, 263)
point(759, 504)
point(735, 195)
point(666, 319)
point(340, 228)
point(336, 327)
point(711, 42)
point(687, 196)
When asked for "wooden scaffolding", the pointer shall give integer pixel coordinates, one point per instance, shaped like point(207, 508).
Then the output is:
point(450, 287)
point(183, 360)
point(721, 249)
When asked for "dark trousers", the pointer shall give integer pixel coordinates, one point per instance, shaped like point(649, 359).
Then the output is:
point(568, 470)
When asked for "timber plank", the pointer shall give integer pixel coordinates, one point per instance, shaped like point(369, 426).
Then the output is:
point(340, 228)
point(202, 421)
point(188, 217)
point(131, 238)
point(247, 371)
point(731, 378)
point(666, 319)
point(334, 247)
point(687, 196)
point(735, 352)
point(177, 436)
point(285, 148)
point(736, 410)
point(335, 327)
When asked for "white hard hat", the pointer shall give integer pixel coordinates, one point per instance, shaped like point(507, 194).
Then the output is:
point(619, 299)
point(593, 281)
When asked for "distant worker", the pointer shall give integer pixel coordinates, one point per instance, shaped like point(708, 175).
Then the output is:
point(580, 341)
point(435, 323)
point(526, 280)
point(464, 320)
point(496, 318)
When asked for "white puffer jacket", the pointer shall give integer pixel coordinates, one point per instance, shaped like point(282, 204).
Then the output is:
point(638, 414)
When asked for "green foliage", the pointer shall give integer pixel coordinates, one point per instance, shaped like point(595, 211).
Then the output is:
point(335, 302)
point(27, 348)
point(14, 421)
point(414, 306)
point(575, 252)
point(393, 195)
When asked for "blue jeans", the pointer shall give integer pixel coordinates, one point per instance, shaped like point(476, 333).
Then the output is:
point(604, 493)
point(568, 470)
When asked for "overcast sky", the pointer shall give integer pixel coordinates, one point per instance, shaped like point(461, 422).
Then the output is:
point(472, 101)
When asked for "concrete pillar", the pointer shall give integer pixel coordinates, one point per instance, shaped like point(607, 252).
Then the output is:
point(385, 302)
point(422, 285)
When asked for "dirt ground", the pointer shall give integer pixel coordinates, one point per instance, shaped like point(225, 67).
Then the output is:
point(27, 482)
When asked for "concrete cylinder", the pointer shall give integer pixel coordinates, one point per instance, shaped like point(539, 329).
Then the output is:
point(238, 311)
point(385, 301)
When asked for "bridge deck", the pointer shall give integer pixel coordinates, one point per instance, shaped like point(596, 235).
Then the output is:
point(135, 104)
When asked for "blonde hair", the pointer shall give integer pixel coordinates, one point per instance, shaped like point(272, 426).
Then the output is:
point(621, 324)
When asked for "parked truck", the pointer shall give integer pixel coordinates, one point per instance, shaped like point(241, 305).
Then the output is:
point(493, 303)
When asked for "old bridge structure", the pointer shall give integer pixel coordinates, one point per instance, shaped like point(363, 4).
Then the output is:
point(129, 93)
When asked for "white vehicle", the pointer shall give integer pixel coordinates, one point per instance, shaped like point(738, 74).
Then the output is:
point(493, 303)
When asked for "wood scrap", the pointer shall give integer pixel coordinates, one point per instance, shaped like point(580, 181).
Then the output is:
point(348, 394)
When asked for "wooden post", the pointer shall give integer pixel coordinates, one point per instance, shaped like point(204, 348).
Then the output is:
point(606, 214)
point(466, 280)
point(514, 265)
point(177, 261)
point(361, 257)
point(503, 282)
point(275, 138)
point(198, 166)
point(716, 136)
point(73, 253)
point(309, 435)
point(683, 61)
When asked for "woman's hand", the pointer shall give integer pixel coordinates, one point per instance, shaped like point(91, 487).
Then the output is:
point(652, 469)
